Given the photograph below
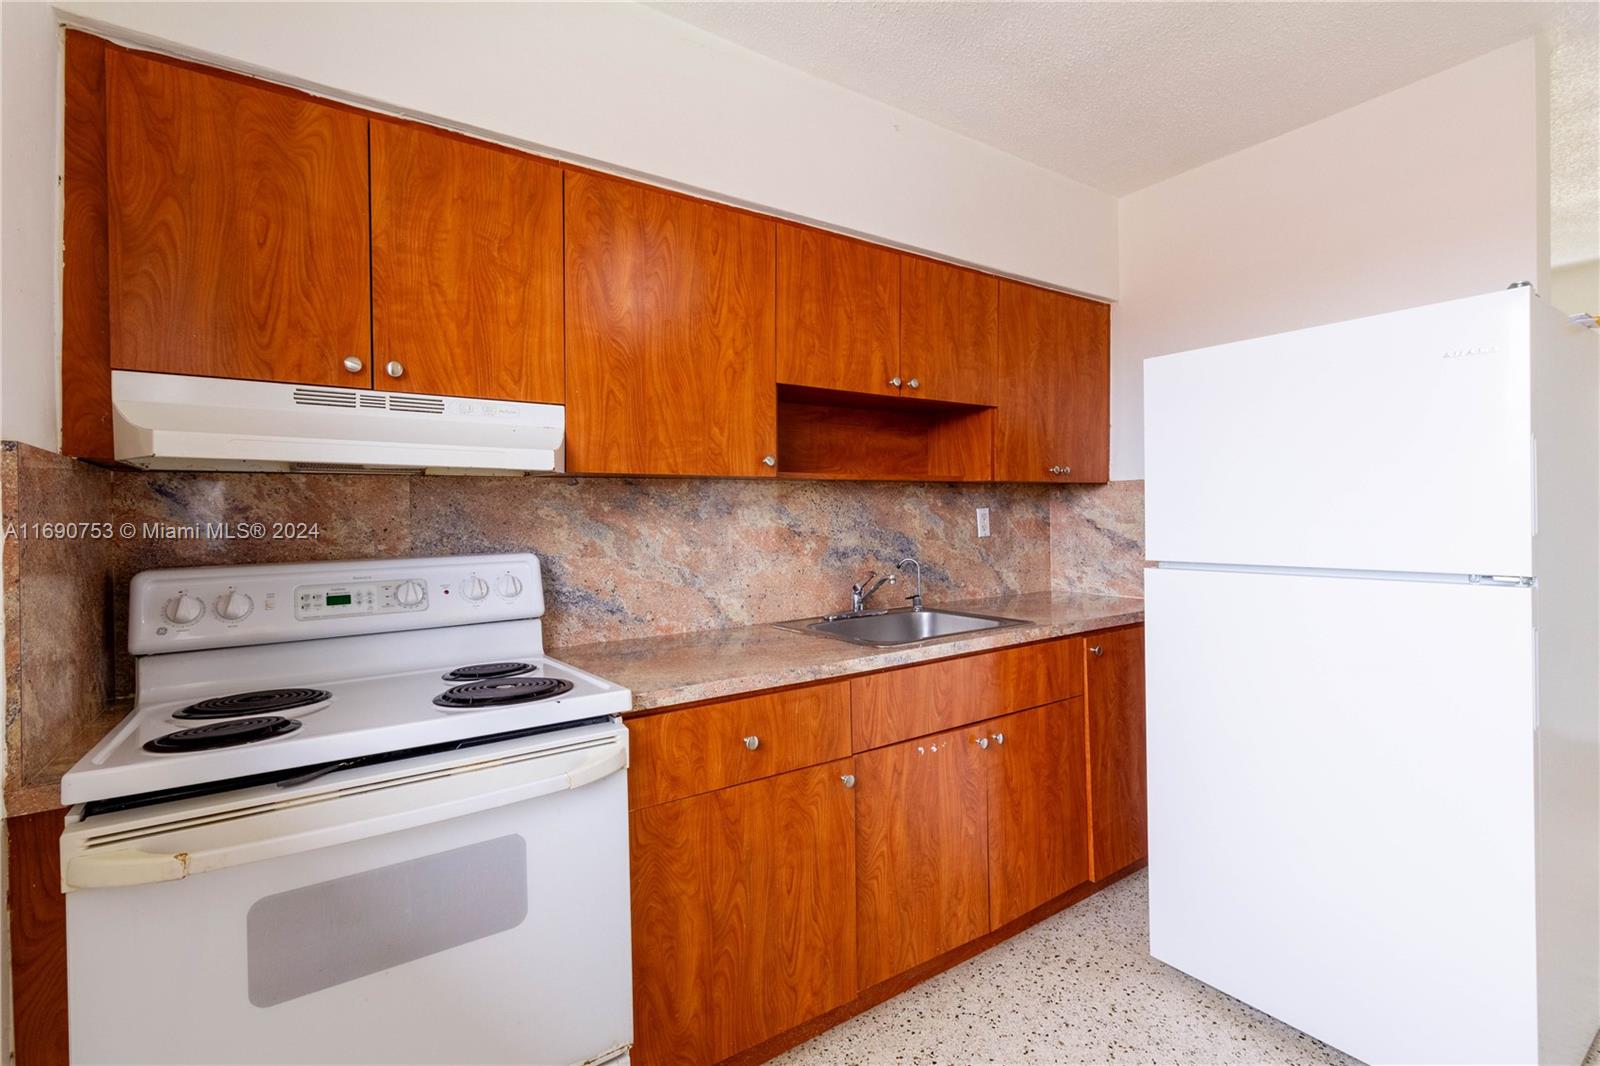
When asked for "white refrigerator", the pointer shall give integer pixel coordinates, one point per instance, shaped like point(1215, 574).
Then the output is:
point(1373, 648)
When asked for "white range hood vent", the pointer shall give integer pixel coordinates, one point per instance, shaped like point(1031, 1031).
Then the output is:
point(175, 422)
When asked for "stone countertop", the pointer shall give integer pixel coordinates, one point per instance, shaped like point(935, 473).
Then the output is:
point(708, 664)
point(716, 663)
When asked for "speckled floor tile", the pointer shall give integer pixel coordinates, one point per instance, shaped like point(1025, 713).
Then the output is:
point(1080, 987)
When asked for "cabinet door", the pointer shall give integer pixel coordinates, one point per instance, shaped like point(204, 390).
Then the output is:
point(1038, 808)
point(670, 869)
point(669, 333)
point(1053, 421)
point(838, 312)
point(237, 227)
point(782, 904)
point(1114, 691)
point(922, 867)
point(466, 267)
point(947, 331)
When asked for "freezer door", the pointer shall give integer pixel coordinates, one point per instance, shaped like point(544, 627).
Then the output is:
point(1398, 442)
point(1342, 806)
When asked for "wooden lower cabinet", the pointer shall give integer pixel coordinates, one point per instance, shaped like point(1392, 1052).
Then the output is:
point(1038, 808)
point(1114, 693)
point(743, 913)
point(763, 905)
point(922, 860)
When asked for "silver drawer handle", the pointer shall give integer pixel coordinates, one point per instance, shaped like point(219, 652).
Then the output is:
point(848, 779)
point(914, 383)
point(982, 742)
point(394, 368)
point(895, 382)
point(1098, 650)
point(353, 364)
point(1061, 469)
point(999, 738)
point(769, 460)
point(752, 743)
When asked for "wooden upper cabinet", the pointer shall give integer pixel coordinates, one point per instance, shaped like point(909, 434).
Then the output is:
point(947, 331)
point(466, 267)
point(838, 312)
point(922, 864)
point(1114, 692)
point(1053, 422)
point(1038, 808)
point(670, 364)
point(237, 227)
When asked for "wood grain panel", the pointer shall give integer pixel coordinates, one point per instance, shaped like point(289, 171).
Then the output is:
point(938, 443)
point(1088, 390)
point(838, 312)
point(1115, 711)
point(782, 904)
point(466, 266)
point(684, 752)
point(670, 850)
point(896, 704)
point(1038, 808)
point(1054, 387)
point(948, 331)
point(238, 227)
point(922, 867)
point(670, 325)
point(38, 914)
point(85, 296)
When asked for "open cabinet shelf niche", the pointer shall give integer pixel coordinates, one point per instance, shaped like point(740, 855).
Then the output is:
point(824, 434)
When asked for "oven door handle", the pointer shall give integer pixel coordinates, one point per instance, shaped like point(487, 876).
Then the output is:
point(122, 855)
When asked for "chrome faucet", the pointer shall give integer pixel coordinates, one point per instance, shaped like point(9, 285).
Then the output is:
point(861, 591)
point(915, 597)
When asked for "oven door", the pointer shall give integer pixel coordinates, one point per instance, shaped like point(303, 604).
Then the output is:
point(431, 911)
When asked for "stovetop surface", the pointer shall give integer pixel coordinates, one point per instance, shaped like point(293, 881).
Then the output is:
point(382, 694)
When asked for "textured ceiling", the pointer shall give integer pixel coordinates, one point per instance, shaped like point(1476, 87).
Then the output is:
point(1122, 95)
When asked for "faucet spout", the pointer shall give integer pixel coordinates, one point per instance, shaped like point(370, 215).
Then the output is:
point(915, 597)
point(863, 590)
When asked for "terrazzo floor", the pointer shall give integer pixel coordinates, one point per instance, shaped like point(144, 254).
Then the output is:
point(1079, 987)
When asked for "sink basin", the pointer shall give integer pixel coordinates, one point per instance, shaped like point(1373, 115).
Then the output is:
point(891, 629)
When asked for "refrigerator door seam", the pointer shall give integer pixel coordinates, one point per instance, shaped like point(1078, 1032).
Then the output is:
point(1495, 580)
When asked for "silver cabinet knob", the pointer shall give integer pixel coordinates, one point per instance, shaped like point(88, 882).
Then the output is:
point(1061, 469)
point(914, 383)
point(999, 738)
point(752, 743)
point(1098, 650)
point(353, 364)
point(769, 460)
point(895, 382)
point(982, 742)
point(921, 750)
point(394, 368)
point(849, 780)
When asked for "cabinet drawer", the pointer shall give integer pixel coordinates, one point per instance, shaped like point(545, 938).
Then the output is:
point(682, 753)
point(910, 702)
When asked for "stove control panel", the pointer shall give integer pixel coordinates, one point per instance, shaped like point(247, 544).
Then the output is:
point(229, 606)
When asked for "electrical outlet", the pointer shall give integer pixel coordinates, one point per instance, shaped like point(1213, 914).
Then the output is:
point(983, 521)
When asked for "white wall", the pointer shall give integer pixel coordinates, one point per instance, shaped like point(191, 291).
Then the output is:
point(1434, 191)
point(29, 223)
point(1575, 288)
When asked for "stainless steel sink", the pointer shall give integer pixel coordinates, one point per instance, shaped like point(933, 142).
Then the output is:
point(889, 629)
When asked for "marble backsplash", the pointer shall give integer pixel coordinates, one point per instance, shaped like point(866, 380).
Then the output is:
point(622, 557)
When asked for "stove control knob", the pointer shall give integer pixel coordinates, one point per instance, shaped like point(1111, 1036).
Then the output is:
point(509, 586)
point(474, 588)
point(183, 609)
point(410, 593)
point(233, 605)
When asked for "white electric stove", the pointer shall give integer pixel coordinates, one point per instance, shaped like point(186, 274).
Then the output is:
point(358, 816)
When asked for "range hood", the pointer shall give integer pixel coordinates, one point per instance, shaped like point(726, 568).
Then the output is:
point(175, 422)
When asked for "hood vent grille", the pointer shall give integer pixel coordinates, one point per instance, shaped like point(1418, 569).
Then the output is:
point(416, 405)
point(325, 397)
